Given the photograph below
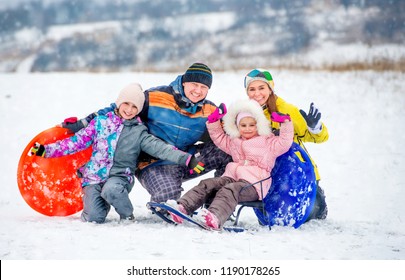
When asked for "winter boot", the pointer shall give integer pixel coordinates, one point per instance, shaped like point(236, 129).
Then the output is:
point(320, 208)
point(209, 218)
point(127, 220)
point(178, 207)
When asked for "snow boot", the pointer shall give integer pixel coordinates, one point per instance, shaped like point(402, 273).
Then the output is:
point(127, 220)
point(178, 207)
point(209, 218)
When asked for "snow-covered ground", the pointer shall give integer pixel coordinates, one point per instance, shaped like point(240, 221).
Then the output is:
point(362, 168)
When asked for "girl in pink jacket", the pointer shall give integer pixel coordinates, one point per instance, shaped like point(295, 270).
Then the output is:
point(254, 149)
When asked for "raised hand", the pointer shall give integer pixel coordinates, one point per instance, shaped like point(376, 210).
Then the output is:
point(313, 118)
point(218, 113)
point(280, 117)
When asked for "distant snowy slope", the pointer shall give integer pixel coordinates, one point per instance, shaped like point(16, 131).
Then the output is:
point(165, 35)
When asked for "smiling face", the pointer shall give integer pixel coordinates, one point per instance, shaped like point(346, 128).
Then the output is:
point(248, 127)
point(259, 91)
point(128, 110)
point(195, 91)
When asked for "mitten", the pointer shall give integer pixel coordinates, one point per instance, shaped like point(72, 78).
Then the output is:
point(313, 119)
point(195, 165)
point(70, 120)
point(73, 124)
point(280, 117)
point(38, 150)
point(218, 113)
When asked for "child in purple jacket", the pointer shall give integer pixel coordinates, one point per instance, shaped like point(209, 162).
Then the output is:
point(116, 138)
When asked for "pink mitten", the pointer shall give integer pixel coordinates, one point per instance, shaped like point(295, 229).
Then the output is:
point(218, 113)
point(279, 117)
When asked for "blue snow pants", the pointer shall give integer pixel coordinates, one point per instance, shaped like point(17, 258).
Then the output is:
point(98, 198)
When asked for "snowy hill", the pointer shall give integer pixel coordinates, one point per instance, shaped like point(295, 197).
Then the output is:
point(362, 169)
point(363, 103)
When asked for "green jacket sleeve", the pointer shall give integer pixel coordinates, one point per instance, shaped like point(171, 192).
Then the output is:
point(160, 149)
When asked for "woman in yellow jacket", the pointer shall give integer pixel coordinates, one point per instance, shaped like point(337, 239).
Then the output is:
point(308, 127)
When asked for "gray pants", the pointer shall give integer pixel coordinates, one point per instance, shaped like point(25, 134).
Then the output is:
point(98, 198)
point(226, 193)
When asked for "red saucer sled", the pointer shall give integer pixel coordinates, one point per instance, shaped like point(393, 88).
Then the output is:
point(51, 186)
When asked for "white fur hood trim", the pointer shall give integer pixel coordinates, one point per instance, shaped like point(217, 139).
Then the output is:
point(250, 106)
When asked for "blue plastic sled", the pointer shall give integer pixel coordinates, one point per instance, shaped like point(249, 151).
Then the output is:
point(292, 194)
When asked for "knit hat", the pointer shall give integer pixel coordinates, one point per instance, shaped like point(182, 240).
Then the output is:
point(259, 75)
point(131, 93)
point(242, 115)
point(198, 73)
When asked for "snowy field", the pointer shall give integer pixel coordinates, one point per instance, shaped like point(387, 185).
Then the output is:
point(362, 168)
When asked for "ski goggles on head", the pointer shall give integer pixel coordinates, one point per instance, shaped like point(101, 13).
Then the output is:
point(259, 75)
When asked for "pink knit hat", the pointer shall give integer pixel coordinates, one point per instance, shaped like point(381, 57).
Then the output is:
point(132, 93)
point(242, 115)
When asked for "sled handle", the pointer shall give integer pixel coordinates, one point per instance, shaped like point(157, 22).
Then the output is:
point(304, 155)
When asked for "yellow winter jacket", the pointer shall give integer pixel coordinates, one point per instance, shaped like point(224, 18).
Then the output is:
point(301, 132)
